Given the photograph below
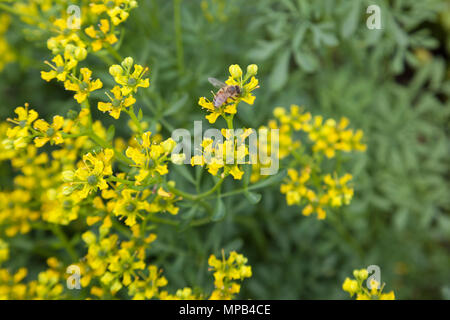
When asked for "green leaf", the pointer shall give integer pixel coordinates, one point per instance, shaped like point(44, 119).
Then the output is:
point(247, 174)
point(110, 133)
point(185, 173)
point(323, 34)
point(306, 61)
point(275, 179)
point(219, 210)
point(350, 22)
point(140, 115)
point(190, 213)
point(298, 37)
point(176, 106)
point(253, 197)
point(280, 71)
point(264, 50)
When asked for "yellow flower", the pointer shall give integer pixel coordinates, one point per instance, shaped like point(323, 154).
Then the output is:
point(387, 296)
point(338, 191)
point(122, 265)
point(130, 81)
point(25, 117)
point(227, 155)
point(90, 176)
point(164, 201)
point(61, 68)
point(215, 112)
point(329, 136)
point(19, 136)
point(101, 36)
point(58, 208)
point(230, 106)
point(117, 104)
point(151, 158)
point(50, 132)
point(66, 37)
point(84, 86)
point(351, 286)
point(356, 286)
point(15, 214)
point(129, 204)
point(226, 272)
point(149, 288)
point(116, 9)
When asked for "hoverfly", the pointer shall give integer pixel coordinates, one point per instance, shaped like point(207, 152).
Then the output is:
point(225, 92)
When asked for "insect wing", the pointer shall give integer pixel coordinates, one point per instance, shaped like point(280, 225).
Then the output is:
point(217, 83)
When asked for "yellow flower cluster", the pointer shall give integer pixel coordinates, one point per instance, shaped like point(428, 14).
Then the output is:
point(306, 183)
point(356, 286)
point(150, 158)
point(327, 137)
point(71, 45)
point(300, 189)
point(227, 154)
point(230, 152)
point(226, 272)
point(47, 286)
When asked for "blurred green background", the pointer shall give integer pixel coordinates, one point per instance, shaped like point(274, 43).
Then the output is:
point(393, 83)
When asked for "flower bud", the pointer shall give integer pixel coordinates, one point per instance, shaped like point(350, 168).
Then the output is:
point(168, 145)
point(171, 183)
point(127, 63)
point(133, 4)
point(235, 71)
point(69, 49)
point(115, 70)
point(80, 53)
point(88, 237)
point(351, 286)
point(363, 273)
point(252, 69)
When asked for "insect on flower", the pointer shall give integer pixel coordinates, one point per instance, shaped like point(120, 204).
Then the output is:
point(225, 92)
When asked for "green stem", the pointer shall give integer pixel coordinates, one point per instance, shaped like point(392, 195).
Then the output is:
point(135, 120)
point(337, 224)
point(238, 191)
point(104, 144)
point(124, 181)
point(193, 197)
point(114, 53)
point(229, 120)
point(56, 229)
point(161, 220)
